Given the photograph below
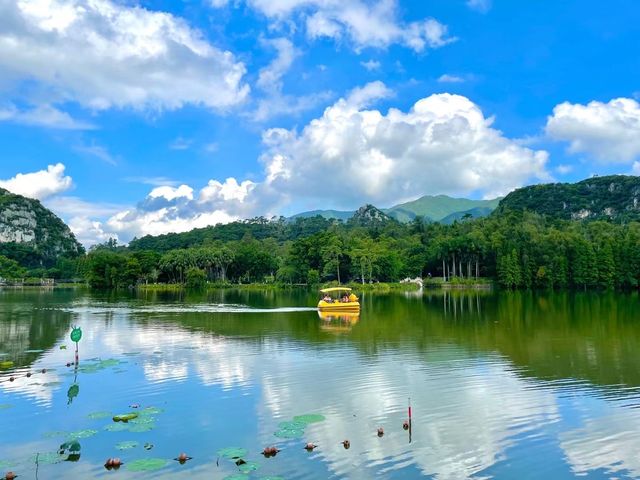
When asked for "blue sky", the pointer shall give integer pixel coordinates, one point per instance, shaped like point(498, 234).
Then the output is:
point(131, 118)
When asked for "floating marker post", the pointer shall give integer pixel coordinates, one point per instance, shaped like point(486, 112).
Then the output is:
point(409, 401)
point(76, 335)
point(74, 389)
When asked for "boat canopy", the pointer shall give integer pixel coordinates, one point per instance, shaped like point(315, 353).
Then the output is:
point(335, 289)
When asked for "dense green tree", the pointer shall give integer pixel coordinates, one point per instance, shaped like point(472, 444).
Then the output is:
point(196, 278)
point(10, 269)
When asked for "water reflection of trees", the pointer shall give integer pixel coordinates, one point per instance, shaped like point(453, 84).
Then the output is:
point(557, 336)
point(28, 323)
point(592, 337)
point(554, 336)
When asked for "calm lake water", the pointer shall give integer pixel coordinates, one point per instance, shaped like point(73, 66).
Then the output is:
point(502, 385)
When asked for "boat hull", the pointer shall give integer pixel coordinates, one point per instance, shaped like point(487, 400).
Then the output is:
point(338, 306)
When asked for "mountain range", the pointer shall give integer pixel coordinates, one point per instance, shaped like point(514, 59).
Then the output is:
point(435, 208)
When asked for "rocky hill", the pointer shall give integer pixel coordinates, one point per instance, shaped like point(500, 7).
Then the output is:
point(31, 234)
point(614, 197)
point(369, 216)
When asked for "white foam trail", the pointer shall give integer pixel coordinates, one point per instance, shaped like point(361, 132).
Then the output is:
point(209, 308)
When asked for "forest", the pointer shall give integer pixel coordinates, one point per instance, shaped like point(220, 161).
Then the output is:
point(517, 250)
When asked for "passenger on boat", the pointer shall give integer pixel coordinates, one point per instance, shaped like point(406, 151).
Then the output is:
point(328, 299)
point(345, 298)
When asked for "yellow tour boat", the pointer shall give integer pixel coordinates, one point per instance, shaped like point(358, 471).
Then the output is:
point(341, 304)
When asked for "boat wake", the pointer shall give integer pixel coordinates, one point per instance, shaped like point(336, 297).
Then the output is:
point(171, 308)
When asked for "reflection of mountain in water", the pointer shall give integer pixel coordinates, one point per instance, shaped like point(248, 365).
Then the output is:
point(26, 323)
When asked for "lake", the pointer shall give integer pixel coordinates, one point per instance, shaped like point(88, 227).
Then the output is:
point(501, 385)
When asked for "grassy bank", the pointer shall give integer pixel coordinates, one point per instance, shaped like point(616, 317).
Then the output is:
point(483, 283)
point(174, 287)
point(367, 287)
point(383, 287)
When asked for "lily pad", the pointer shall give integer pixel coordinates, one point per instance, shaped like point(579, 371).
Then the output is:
point(142, 427)
point(82, 433)
point(289, 433)
point(293, 429)
point(51, 384)
point(6, 364)
point(109, 362)
point(6, 463)
point(125, 417)
point(48, 458)
point(271, 478)
point(5, 406)
point(232, 452)
point(127, 445)
point(116, 427)
point(292, 425)
point(54, 434)
point(150, 411)
point(248, 467)
point(146, 464)
point(143, 420)
point(93, 368)
point(99, 415)
point(309, 418)
point(235, 476)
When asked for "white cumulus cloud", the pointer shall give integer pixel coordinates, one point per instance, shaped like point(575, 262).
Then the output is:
point(363, 23)
point(180, 209)
point(42, 116)
point(105, 54)
point(270, 77)
point(364, 96)
point(270, 81)
point(480, 5)
point(447, 78)
point(444, 144)
point(371, 65)
point(608, 132)
point(41, 184)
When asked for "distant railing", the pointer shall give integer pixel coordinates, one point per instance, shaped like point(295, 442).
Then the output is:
point(27, 282)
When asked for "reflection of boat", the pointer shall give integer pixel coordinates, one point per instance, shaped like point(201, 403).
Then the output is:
point(338, 322)
point(347, 317)
point(329, 304)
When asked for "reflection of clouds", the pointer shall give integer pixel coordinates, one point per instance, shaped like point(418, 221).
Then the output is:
point(609, 442)
point(464, 418)
point(32, 387)
point(215, 360)
point(40, 386)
